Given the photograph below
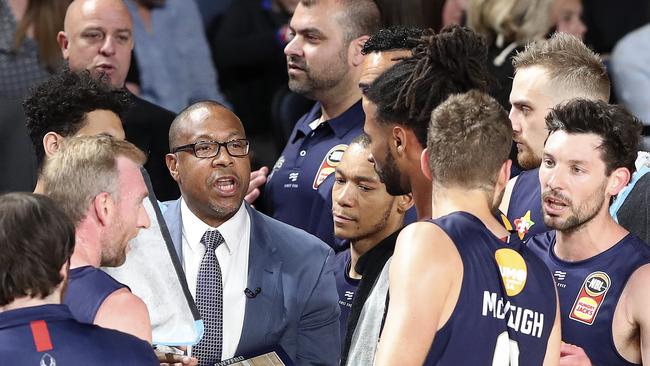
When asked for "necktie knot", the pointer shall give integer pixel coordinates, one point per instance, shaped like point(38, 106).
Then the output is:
point(212, 239)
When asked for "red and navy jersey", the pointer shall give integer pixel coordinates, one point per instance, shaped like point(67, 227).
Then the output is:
point(88, 287)
point(345, 286)
point(49, 335)
point(589, 291)
point(299, 188)
point(506, 307)
point(525, 208)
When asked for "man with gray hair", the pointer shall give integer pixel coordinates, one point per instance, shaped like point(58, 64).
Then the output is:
point(98, 183)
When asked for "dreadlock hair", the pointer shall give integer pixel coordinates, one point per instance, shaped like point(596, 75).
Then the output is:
point(393, 38)
point(450, 62)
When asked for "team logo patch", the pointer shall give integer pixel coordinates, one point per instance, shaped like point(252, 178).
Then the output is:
point(591, 296)
point(513, 270)
point(329, 164)
point(523, 224)
point(276, 167)
point(47, 360)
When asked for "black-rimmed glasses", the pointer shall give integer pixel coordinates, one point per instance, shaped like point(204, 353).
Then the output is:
point(209, 149)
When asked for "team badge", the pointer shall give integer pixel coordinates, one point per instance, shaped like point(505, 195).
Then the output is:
point(47, 360)
point(278, 164)
point(523, 224)
point(591, 296)
point(513, 270)
point(329, 164)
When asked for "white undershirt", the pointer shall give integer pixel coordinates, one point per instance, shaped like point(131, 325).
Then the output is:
point(233, 260)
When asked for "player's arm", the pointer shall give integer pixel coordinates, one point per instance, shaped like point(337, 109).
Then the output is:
point(637, 288)
point(552, 356)
point(125, 312)
point(421, 278)
point(507, 193)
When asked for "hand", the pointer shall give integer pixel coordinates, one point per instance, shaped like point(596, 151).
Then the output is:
point(571, 355)
point(258, 178)
point(175, 359)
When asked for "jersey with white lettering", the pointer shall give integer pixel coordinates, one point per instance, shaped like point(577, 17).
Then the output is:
point(525, 207)
point(589, 291)
point(506, 307)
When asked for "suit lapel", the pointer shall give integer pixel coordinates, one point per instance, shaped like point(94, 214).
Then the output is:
point(262, 320)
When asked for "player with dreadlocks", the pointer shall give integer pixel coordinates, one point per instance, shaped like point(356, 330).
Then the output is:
point(399, 102)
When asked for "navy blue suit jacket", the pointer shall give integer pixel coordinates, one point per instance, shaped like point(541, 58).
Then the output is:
point(298, 305)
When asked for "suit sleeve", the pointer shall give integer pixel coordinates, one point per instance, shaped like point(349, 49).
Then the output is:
point(318, 340)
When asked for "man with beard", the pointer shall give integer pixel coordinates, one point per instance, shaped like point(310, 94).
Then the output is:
point(257, 282)
point(601, 269)
point(547, 73)
point(459, 294)
point(399, 102)
point(366, 216)
point(37, 240)
point(97, 182)
point(324, 62)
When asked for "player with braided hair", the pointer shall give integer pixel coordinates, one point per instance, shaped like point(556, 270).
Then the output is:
point(398, 105)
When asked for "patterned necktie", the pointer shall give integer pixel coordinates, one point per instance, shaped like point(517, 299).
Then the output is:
point(209, 299)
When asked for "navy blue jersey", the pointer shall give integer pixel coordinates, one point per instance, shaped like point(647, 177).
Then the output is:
point(88, 287)
point(589, 291)
point(345, 286)
point(506, 306)
point(49, 335)
point(299, 189)
point(525, 208)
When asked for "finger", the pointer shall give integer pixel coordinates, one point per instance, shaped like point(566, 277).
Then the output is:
point(252, 196)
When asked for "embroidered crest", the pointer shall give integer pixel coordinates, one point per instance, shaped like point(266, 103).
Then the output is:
point(329, 164)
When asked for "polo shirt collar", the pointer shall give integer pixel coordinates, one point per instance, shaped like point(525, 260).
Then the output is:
point(340, 125)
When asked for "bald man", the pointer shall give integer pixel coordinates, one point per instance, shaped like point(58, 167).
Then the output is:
point(257, 282)
point(98, 37)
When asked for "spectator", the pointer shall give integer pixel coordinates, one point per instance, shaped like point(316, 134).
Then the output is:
point(257, 282)
point(172, 53)
point(566, 15)
point(508, 26)
point(98, 37)
point(97, 182)
point(28, 49)
point(37, 239)
point(324, 61)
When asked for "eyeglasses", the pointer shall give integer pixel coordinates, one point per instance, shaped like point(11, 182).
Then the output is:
point(209, 149)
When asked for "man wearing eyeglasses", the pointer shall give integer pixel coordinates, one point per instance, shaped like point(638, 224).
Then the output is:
point(257, 282)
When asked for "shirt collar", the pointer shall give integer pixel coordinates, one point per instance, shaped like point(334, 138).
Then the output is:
point(341, 125)
point(231, 230)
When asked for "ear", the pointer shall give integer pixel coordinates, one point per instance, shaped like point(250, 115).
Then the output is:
point(172, 165)
point(399, 140)
point(52, 143)
point(103, 206)
point(618, 180)
point(503, 176)
point(424, 164)
point(355, 56)
point(62, 40)
point(404, 203)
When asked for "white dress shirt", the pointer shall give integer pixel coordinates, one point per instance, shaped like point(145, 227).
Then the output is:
point(233, 260)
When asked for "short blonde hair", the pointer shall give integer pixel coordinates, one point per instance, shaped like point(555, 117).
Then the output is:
point(518, 21)
point(84, 167)
point(568, 61)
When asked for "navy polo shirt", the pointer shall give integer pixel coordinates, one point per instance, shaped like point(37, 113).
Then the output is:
point(299, 189)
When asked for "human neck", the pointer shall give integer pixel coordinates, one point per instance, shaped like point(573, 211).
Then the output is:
point(87, 249)
point(27, 302)
point(593, 238)
point(421, 189)
point(473, 201)
point(338, 100)
point(362, 246)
